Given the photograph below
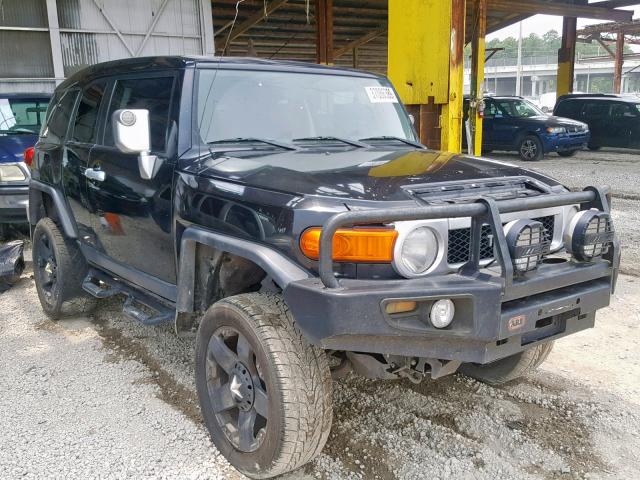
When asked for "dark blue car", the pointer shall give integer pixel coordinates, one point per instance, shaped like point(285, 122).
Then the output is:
point(21, 116)
point(515, 124)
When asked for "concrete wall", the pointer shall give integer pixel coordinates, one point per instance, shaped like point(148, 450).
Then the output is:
point(44, 41)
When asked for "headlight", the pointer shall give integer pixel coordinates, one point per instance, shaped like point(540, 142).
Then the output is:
point(527, 244)
point(11, 173)
point(416, 252)
point(589, 234)
point(556, 130)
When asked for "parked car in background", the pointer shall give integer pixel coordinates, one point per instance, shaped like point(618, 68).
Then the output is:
point(515, 124)
point(547, 101)
point(614, 120)
point(21, 116)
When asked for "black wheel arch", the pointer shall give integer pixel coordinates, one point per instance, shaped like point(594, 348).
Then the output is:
point(47, 201)
point(213, 266)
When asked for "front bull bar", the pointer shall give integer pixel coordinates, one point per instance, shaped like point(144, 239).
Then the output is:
point(483, 211)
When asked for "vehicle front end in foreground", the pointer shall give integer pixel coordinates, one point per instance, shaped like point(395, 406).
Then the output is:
point(530, 287)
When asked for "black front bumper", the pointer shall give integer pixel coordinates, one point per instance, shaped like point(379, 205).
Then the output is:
point(497, 315)
point(486, 326)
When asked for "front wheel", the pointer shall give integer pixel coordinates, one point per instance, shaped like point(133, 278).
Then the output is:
point(568, 153)
point(530, 149)
point(510, 368)
point(264, 392)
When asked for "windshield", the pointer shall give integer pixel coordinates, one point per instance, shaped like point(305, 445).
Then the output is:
point(22, 116)
point(518, 108)
point(279, 106)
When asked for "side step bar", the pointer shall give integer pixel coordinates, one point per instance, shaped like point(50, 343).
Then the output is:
point(137, 305)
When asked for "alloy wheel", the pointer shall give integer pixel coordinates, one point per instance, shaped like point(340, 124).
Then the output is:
point(529, 149)
point(237, 389)
point(47, 266)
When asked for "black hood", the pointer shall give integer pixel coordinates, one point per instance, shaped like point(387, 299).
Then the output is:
point(363, 174)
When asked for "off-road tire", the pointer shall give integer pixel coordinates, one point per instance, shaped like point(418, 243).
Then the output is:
point(66, 297)
point(593, 147)
point(510, 368)
point(530, 149)
point(297, 382)
point(568, 153)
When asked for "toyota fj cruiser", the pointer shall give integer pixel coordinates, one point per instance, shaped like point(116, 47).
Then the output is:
point(287, 214)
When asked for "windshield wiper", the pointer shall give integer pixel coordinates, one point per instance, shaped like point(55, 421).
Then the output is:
point(392, 138)
point(354, 143)
point(273, 143)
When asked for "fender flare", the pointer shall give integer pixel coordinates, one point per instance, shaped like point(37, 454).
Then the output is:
point(279, 267)
point(67, 222)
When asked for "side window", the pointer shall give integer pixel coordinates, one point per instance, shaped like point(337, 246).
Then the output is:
point(61, 115)
point(490, 108)
point(84, 127)
point(596, 109)
point(619, 110)
point(567, 108)
point(153, 94)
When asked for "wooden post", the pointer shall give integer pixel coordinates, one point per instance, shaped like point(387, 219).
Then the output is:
point(479, 31)
point(619, 60)
point(324, 32)
point(567, 56)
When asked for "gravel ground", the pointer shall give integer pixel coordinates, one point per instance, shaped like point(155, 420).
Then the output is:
point(105, 397)
point(620, 169)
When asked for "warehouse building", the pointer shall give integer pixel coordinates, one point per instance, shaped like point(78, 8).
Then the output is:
point(44, 41)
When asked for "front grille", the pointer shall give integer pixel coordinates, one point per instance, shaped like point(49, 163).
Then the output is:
point(460, 239)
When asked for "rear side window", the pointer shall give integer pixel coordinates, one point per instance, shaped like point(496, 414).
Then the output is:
point(61, 115)
point(153, 94)
point(84, 127)
point(619, 110)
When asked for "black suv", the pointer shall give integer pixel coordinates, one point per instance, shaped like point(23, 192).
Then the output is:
point(614, 121)
point(286, 214)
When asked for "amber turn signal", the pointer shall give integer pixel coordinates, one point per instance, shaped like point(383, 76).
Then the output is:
point(400, 307)
point(374, 245)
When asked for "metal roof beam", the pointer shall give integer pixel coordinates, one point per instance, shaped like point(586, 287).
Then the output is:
point(338, 52)
point(533, 7)
point(252, 20)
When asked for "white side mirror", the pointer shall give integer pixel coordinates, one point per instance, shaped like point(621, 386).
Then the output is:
point(131, 134)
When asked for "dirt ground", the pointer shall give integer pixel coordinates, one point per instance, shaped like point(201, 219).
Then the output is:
point(105, 397)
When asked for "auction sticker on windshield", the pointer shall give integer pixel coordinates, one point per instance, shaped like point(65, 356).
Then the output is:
point(381, 95)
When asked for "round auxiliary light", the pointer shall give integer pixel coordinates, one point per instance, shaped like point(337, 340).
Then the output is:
point(527, 244)
point(589, 234)
point(416, 252)
point(127, 118)
point(442, 312)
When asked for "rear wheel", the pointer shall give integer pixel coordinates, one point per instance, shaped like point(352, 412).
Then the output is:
point(265, 393)
point(568, 153)
point(530, 149)
point(510, 368)
point(59, 269)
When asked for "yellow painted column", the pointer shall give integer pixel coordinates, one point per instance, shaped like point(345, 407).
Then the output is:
point(426, 43)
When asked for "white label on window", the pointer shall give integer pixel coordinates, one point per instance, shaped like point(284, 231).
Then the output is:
point(381, 95)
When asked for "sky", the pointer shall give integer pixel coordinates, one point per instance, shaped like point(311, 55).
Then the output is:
point(543, 23)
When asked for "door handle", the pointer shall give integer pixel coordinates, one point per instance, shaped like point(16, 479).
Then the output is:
point(94, 174)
